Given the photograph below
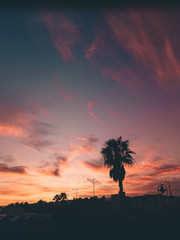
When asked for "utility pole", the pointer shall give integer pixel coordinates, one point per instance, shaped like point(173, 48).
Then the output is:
point(92, 180)
point(170, 193)
point(75, 189)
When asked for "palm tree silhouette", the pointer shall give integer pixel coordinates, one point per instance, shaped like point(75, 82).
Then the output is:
point(115, 154)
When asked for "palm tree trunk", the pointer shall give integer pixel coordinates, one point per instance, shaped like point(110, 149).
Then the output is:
point(120, 186)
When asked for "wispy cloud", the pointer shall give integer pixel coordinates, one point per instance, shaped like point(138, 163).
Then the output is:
point(125, 76)
point(105, 56)
point(87, 143)
point(37, 108)
point(89, 108)
point(143, 35)
point(43, 164)
point(37, 144)
point(63, 32)
point(153, 169)
point(112, 112)
point(99, 46)
point(64, 95)
point(7, 158)
point(17, 121)
point(95, 165)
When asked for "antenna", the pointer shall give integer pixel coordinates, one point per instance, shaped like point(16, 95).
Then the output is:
point(170, 192)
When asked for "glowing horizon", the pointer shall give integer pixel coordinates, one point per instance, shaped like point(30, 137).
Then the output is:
point(70, 81)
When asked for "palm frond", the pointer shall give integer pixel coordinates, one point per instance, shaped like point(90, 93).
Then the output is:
point(115, 154)
point(107, 156)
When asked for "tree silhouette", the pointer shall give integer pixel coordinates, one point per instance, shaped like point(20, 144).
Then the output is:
point(60, 197)
point(115, 154)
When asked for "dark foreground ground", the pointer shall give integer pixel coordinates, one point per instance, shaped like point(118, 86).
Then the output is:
point(97, 220)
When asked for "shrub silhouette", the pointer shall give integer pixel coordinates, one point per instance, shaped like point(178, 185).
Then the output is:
point(60, 198)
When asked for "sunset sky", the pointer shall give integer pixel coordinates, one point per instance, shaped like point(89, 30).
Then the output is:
point(72, 79)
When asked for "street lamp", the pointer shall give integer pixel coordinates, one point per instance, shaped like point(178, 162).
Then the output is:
point(75, 189)
point(92, 180)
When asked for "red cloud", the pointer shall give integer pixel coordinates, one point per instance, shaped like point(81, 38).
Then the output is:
point(64, 34)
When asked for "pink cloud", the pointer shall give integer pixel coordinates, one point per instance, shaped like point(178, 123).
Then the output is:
point(94, 165)
point(99, 47)
point(37, 144)
point(64, 34)
point(13, 120)
point(87, 143)
point(17, 121)
point(34, 106)
point(89, 108)
point(143, 35)
point(112, 113)
point(102, 54)
point(151, 170)
point(125, 76)
point(64, 95)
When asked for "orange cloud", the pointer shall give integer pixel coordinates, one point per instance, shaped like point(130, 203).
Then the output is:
point(151, 170)
point(11, 130)
point(89, 107)
point(51, 172)
point(64, 34)
point(59, 163)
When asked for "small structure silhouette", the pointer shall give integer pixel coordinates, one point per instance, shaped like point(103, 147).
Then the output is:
point(162, 189)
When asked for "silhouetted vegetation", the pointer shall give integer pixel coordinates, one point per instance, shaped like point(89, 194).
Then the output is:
point(115, 154)
point(60, 198)
point(89, 215)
